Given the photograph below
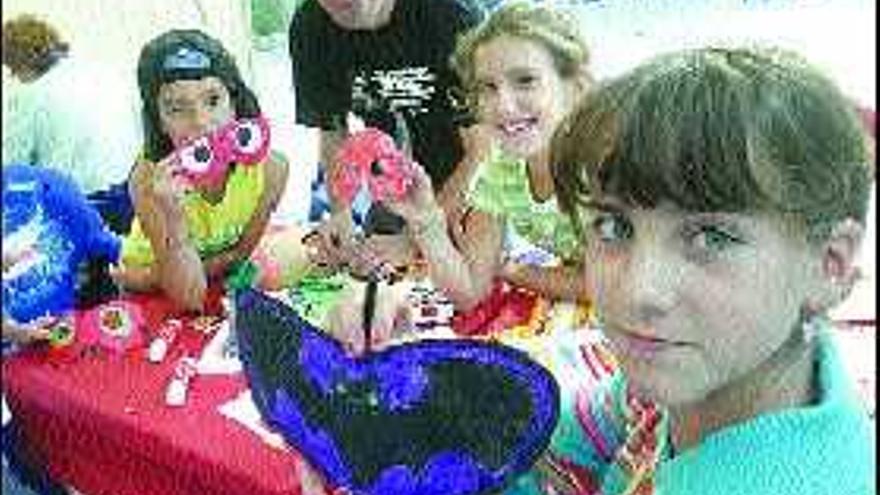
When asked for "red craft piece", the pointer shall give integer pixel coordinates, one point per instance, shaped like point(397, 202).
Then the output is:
point(205, 160)
point(370, 157)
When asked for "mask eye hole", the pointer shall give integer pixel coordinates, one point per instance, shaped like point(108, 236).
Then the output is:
point(197, 157)
point(249, 137)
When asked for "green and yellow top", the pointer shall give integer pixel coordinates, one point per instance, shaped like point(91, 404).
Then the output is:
point(501, 187)
point(213, 227)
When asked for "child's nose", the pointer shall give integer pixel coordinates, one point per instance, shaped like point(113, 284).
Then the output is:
point(653, 284)
point(202, 122)
point(506, 100)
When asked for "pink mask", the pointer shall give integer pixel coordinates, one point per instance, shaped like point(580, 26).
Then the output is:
point(205, 160)
point(370, 157)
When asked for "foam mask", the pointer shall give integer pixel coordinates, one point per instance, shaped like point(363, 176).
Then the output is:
point(371, 158)
point(205, 160)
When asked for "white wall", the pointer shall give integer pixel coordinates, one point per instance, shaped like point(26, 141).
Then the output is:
point(837, 35)
point(840, 36)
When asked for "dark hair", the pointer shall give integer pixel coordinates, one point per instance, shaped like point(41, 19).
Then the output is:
point(185, 54)
point(31, 44)
point(718, 129)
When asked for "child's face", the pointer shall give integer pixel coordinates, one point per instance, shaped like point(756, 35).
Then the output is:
point(520, 94)
point(191, 108)
point(693, 301)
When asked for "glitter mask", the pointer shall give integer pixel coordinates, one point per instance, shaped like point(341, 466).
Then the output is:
point(451, 417)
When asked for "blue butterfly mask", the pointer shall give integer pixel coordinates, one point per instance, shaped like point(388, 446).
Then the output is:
point(51, 228)
point(435, 417)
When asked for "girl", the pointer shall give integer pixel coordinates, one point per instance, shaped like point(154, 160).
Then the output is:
point(184, 236)
point(721, 194)
point(524, 67)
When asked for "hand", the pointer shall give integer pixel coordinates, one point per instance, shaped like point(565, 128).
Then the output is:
point(330, 245)
point(419, 206)
point(344, 321)
point(311, 482)
point(477, 142)
point(183, 279)
point(34, 331)
point(166, 180)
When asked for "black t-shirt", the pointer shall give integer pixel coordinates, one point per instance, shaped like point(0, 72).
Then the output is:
point(405, 64)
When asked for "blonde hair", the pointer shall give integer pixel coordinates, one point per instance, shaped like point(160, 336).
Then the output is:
point(551, 28)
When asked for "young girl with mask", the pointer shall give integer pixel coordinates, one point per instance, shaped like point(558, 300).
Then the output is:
point(193, 222)
point(524, 68)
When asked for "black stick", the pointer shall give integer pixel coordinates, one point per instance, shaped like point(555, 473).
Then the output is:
point(369, 310)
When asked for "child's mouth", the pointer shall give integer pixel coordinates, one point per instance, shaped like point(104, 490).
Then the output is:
point(642, 346)
point(519, 128)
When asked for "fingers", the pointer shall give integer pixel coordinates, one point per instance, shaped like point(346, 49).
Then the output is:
point(310, 481)
point(168, 180)
point(327, 246)
point(33, 331)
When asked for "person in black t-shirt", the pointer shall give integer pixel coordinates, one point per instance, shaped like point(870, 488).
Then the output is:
point(375, 58)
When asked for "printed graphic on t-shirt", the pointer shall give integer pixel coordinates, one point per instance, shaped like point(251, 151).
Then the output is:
point(407, 90)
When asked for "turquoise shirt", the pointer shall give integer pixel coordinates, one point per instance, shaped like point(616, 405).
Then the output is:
point(823, 449)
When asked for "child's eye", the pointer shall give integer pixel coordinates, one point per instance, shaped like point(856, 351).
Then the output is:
point(486, 88)
point(526, 80)
point(612, 227)
point(214, 101)
point(712, 238)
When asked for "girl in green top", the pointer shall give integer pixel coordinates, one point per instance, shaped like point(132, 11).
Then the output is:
point(183, 236)
point(524, 67)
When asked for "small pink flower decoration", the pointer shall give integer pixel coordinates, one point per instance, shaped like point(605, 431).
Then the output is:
point(116, 326)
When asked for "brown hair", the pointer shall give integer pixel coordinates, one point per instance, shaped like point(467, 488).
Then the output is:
point(718, 129)
point(31, 45)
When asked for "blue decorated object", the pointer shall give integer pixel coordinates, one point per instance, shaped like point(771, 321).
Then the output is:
point(435, 417)
point(49, 228)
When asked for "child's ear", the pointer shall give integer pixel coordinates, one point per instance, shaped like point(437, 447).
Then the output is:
point(839, 252)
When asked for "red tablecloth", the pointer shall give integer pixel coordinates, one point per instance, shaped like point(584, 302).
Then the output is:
point(101, 425)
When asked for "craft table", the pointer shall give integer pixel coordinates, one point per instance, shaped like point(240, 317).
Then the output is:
point(100, 424)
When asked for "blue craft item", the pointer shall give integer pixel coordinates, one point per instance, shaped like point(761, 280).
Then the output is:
point(46, 215)
point(434, 417)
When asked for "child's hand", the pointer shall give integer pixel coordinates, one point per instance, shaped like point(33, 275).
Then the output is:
point(311, 482)
point(37, 330)
point(183, 278)
point(168, 183)
point(329, 246)
point(345, 320)
point(419, 205)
